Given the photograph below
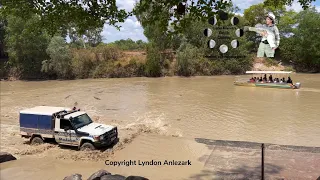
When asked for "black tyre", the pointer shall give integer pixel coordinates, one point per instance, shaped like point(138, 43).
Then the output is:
point(36, 140)
point(87, 147)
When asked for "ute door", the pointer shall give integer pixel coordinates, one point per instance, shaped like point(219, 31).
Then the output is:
point(64, 133)
point(72, 137)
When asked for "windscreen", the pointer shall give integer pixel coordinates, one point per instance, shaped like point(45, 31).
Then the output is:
point(81, 121)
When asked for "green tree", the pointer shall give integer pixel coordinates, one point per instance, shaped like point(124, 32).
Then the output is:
point(57, 14)
point(129, 44)
point(3, 24)
point(26, 45)
point(93, 36)
point(76, 39)
point(306, 41)
point(279, 3)
point(92, 13)
point(60, 58)
point(199, 10)
point(288, 21)
point(187, 56)
point(256, 13)
point(153, 64)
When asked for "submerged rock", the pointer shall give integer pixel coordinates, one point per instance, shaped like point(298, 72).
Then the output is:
point(97, 175)
point(136, 178)
point(113, 177)
point(74, 177)
point(4, 157)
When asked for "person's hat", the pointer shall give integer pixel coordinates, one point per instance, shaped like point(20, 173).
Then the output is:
point(271, 16)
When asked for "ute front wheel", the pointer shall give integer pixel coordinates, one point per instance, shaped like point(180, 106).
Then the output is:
point(87, 147)
point(36, 140)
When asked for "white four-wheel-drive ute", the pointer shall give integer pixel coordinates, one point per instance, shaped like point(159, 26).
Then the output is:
point(66, 126)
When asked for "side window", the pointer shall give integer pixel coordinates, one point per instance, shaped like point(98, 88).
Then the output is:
point(64, 123)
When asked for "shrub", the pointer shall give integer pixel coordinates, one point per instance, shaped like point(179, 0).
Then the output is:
point(102, 70)
point(60, 58)
point(217, 68)
point(203, 66)
point(83, 61)
point(108, 53)
point(187, 56)
point(153, 63)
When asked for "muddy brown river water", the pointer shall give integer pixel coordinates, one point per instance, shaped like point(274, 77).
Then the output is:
point(158, 118)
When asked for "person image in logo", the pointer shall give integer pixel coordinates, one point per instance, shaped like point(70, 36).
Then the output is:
point(270, 36)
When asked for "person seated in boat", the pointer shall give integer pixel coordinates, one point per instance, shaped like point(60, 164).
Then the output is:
point(289, 80)
point(260, 80)
point(270, 78)
point(255, 79)
point(282, 80)
point(265, 77)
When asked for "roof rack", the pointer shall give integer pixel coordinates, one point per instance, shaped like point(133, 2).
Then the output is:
point(268, 72)
point(61, 114)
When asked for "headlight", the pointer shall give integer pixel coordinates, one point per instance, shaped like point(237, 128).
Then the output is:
point(98, 138)
point(101, 137)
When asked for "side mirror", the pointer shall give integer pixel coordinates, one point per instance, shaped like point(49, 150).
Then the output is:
point(66, 128)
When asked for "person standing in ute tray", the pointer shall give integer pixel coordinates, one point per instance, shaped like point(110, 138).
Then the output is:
point(264, 46)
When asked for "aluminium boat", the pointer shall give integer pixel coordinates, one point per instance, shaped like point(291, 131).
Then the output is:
point(266, 82)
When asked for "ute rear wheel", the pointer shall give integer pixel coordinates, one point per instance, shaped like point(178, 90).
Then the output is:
point(36, 140)
point(87, 147)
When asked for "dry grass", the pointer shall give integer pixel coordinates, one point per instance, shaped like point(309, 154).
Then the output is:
point(138, 56)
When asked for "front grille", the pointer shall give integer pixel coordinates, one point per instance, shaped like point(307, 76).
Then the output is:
point(110, 134)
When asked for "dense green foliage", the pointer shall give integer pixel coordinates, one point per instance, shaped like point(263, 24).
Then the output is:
point(57, 14)
point(197, 11)
point(60, 58)
point(303, 47)
point(26, 46)
point(85, 14)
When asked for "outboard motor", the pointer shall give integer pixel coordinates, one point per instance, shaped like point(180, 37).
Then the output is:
point(297, 85)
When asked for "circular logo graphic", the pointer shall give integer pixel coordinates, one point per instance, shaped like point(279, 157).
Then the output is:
point(207, 32)
point(211, 44)
point(223, 48)
point(239, 32)
point(212, 20)
point(235, 21)
point(235, 43)
point(223, 32)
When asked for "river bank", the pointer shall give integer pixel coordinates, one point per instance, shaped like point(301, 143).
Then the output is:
point(123, 64)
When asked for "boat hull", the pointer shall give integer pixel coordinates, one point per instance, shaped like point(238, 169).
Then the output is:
point(266, 85)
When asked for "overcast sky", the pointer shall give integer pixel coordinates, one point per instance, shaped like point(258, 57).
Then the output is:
point(132, 29)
